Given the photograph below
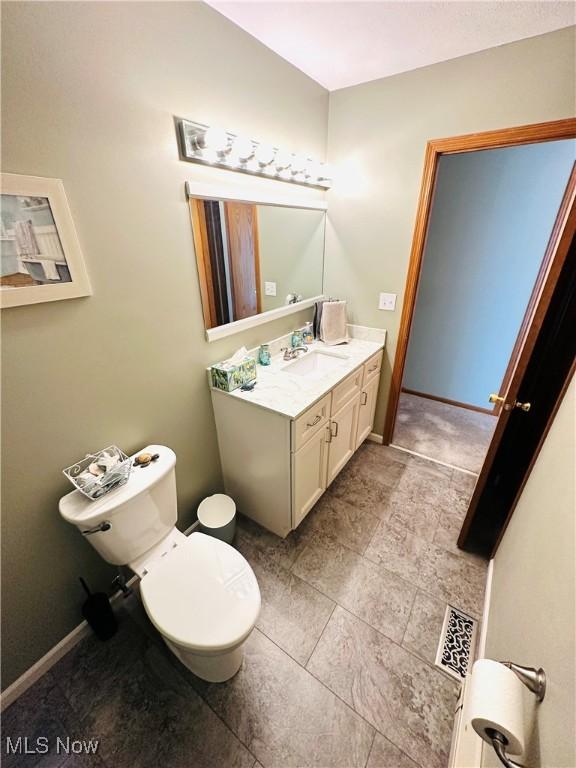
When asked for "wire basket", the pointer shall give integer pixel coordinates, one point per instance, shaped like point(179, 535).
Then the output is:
point(98, 473)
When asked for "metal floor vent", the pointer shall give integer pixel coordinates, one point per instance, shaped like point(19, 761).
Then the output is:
point(457, 642)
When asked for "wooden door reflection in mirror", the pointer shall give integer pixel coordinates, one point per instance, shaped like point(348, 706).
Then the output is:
point(253, 258)
point(226, 243)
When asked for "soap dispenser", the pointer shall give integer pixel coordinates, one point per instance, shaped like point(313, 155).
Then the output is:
point(296, 340)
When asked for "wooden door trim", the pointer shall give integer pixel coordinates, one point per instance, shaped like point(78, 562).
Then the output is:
point(256, 234)
point(202, 249)
point(506, 137)
point(564, 233)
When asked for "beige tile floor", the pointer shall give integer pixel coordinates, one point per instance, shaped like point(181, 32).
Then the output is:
point(340, 668)
point(443, 432)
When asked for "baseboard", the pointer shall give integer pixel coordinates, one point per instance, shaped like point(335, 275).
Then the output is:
point(21, 685)
point(486, 611)
point(28, 678)
point(456, 403)
point(374, 437)
point(434, 461)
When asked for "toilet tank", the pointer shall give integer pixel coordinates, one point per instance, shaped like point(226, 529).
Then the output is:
point(141, 512)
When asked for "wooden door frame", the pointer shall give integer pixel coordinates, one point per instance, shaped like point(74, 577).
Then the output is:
point(507, 137)
point(202, 250)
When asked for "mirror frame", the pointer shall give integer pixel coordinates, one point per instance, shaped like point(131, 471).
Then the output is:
point(241, 195)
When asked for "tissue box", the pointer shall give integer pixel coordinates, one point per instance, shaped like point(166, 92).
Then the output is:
point(230, 376)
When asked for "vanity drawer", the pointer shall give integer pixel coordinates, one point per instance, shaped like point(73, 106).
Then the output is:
point(310, 422)
point(372, 368)
point(348, 389)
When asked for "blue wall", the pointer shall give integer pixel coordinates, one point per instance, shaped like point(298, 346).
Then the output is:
point(492, 216)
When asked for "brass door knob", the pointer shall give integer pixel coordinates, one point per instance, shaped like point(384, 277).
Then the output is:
point(523, 406)
point(494, 398)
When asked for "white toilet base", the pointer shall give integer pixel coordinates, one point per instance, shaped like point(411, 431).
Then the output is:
point(216, 668)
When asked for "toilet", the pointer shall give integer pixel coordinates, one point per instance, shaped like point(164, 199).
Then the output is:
point(199, 592)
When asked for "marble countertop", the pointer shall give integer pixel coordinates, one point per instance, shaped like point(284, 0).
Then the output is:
point(290, 394)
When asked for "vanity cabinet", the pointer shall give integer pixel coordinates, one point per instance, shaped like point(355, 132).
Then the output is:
point(367, 409)
point(276, 468)
point(342, 437)
point(309, 467)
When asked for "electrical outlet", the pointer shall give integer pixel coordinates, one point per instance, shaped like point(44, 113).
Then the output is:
point(270, 289)
point(387, 301)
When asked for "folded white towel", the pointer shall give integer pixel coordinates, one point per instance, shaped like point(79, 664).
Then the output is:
point(333, 326)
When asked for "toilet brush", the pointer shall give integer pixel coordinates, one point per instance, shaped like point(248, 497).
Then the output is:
point(98, 613)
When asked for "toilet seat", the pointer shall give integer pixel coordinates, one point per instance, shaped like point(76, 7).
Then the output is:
point(203, 595)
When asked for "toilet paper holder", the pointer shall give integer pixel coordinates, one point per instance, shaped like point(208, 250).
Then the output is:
point(535, 680)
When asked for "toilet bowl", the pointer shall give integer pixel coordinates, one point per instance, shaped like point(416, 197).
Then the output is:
point(199, 592)
point(203, 598)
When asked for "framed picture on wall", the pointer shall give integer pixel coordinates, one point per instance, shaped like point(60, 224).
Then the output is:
point(40, 256)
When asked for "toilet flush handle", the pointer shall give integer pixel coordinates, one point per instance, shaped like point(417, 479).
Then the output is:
point(103, 526)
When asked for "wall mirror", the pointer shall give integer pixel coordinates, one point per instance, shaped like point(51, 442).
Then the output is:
point(256, 260)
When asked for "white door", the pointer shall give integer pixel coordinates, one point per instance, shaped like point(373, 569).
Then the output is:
point(367, 410)
point(309, 475)
point(343, 426)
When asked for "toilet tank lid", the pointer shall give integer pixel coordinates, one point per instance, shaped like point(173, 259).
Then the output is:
point(76, 508)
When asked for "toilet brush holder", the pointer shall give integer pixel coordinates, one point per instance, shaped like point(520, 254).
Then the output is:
point(98, 613)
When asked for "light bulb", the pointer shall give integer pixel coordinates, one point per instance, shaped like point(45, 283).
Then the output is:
point(243, 148)
point(210, 155)
point(264, 154)
point(312, 170)
point(283, 160)
point(216, 139)
point(324, 172)
point(298, 164)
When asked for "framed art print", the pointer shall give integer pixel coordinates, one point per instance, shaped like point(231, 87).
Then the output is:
point(40, 256)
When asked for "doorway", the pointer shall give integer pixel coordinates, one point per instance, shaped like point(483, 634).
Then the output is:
point(483, 246)
point(227, 252)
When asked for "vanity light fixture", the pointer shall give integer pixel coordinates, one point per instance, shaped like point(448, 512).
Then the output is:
point(214, 146)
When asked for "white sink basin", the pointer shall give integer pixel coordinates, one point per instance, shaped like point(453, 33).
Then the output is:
point(315, 363)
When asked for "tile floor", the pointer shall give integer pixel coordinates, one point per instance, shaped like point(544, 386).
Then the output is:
point(447, 433)
point(339, 671)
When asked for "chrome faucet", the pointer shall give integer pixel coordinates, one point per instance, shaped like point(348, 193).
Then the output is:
point(291, 354)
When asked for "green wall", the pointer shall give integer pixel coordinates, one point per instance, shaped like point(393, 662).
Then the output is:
point(89, 91)
point(377, 134)
point(532, 610)
point(291, 252)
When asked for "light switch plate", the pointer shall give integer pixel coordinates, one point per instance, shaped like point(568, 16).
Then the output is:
point(270, 289)
point(387, 301)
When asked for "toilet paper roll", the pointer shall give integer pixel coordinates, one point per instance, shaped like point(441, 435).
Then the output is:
point(496, 701)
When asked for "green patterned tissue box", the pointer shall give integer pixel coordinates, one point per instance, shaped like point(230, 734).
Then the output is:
point(230, 376)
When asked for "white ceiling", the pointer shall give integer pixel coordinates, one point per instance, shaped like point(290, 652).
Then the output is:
point(345, 43)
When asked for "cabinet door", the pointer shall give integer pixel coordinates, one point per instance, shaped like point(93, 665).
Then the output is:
point(343, 426)
point(367, 410)
point(309, 475)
